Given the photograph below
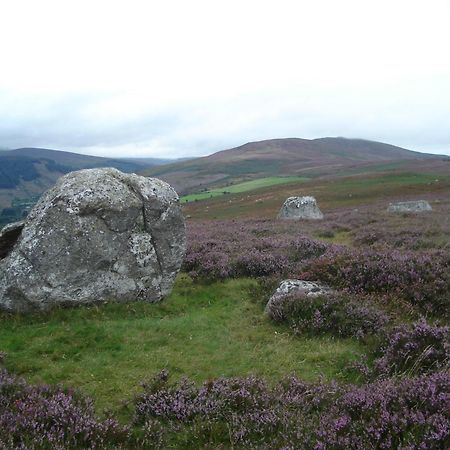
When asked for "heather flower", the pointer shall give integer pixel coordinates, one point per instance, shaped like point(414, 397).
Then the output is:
point(46, 417)
point(249, 413)
point(421, 279)
point(406, 414)
point(333, 314)
point(255, 248)
point(255, 263)
point(418, 349)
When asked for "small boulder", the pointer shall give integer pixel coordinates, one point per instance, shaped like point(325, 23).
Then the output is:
point(99, 235)
point(412, 206)
point(296, 208)
point(286, 287)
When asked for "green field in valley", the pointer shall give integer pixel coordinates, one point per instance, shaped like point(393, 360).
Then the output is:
point(242, 187)
point(338, 192)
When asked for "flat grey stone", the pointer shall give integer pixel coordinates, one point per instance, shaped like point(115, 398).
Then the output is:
point(411, 206)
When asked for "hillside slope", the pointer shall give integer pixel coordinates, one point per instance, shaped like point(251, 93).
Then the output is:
point(283, 157)
point(26, 173)
point(20, 162)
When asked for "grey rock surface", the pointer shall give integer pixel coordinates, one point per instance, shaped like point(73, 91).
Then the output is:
point(296, 208)
point(8, 237)
point(309, 288)
point(99, 235)
point(411, 206)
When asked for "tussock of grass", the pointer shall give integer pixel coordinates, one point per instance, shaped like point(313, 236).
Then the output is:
point(200, 331)
point(339, 237)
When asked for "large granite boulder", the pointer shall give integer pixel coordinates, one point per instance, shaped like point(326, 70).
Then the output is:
point(99, 235)
point(411, 206)
point(286, 287)
point(296, 208)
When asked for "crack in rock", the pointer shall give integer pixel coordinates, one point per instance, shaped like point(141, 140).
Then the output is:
point(99, 235)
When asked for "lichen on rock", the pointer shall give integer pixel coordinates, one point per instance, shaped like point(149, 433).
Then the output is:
point(296, 208)
point(99, 235)
point(290, 286)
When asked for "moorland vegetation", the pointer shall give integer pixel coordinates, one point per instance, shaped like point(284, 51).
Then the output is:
point(366, 367)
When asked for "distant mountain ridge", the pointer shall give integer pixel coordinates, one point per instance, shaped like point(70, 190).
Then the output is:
point(282, 157)
point(24, 164)
point(25, 173)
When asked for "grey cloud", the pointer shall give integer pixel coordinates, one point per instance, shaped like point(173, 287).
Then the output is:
point(70, 122)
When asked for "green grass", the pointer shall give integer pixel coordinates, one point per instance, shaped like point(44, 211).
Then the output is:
point(338, 237)
point(330, 194)
point(243, 187)
point(373, 168)
point(398, 179)
point(362, 190)
point(200, 331)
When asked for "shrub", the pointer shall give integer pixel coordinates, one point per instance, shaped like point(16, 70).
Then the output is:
point(406, 414)
point(223, 410)
point(302, 248)
point(415, 233)
point(207, 264)
point(421, 279)
point(256, 263)
point(414, 350)
point(218, 250)
point(249, 413)
point(334, 314)
point(45, 417)
point(245, 413)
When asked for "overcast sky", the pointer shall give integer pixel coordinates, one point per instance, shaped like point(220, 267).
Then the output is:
point(176, 78)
